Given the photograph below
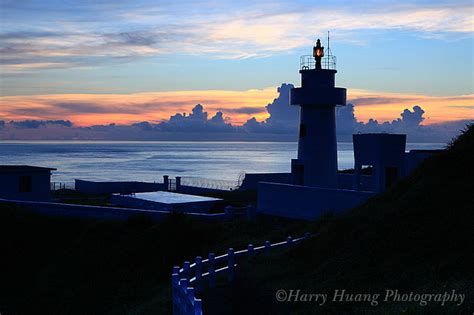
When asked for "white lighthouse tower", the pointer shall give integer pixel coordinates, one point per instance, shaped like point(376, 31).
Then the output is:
point(318, 97)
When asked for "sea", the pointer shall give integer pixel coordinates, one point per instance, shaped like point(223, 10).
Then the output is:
point(149, 161)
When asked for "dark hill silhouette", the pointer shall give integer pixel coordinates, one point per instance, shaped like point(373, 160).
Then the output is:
point(419, 237)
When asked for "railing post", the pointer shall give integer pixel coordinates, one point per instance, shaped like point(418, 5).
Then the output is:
point(230, 264)
point(175, 270)
point(229, 212)
point(183, 283)
point(198, 274)
point(212, 269)
point(197, 307)
point(178, 183)
point(250, 249)
point(268, 245)
point(166, 182)
point(289, 240)
point(190, 299)
point(186, 269)
point(174, 292)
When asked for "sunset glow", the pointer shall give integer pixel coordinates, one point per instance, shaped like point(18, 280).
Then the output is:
point(237, 106)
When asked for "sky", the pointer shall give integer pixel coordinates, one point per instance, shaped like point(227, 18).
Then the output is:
point(124, 62)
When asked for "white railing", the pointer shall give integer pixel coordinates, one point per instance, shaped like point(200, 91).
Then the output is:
point(188, 281)
point(209, 183)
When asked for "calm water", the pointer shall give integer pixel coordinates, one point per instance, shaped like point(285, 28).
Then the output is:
point(149, 161)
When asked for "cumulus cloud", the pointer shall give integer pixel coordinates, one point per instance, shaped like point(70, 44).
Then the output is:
point(280, 124)
point(196, 121)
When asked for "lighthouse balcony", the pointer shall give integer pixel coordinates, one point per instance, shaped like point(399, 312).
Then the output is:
point(321, 96)
point(307, 62)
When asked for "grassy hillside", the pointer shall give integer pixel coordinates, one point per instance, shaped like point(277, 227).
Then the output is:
point(53, 265)
point(419, 237)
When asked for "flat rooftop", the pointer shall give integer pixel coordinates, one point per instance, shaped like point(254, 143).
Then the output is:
point(170, 197)
point(24, 168)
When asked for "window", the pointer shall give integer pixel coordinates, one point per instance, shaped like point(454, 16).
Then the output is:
point(25, 184)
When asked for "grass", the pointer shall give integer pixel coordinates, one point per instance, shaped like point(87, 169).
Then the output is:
point(417, 237)
point(58, 265)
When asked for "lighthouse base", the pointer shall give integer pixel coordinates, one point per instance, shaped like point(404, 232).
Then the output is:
point(307, 173)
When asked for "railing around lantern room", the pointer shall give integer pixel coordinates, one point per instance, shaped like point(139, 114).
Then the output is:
point(307, 62)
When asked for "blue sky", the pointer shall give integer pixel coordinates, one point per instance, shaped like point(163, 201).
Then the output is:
point(125, 47)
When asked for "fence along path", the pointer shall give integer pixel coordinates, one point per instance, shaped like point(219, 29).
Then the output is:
point(188, 281)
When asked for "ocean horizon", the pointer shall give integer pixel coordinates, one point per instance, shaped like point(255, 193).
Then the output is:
point(150, 160)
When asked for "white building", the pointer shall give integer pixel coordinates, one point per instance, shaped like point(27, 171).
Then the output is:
point(24, 182)
point(315, 186)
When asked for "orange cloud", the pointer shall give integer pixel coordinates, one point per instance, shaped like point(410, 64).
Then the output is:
point(387, 106)
point(91, 109)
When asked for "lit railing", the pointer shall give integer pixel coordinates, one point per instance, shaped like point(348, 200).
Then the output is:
point(307, 62)
point(189, 280)
point(209, 183)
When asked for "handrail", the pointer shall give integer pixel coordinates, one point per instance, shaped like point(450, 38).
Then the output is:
point(188, 280)
point(307, 62)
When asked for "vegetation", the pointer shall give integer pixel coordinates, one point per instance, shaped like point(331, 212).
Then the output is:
point(60, 265)
point(417, 237)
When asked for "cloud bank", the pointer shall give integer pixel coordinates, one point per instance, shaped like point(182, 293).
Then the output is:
point(280, 124)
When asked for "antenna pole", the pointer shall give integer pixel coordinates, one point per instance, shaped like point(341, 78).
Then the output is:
point(328, 40)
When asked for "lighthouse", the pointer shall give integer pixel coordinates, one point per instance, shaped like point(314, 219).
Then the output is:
point(317, 97)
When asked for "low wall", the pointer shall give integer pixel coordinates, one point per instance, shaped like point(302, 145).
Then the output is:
point(90, 187)
point(346, 181)
point(191, 190)
point(303, 202)
point(251, 180)
point(194, 207)
point(105, 213)
point(415, 158)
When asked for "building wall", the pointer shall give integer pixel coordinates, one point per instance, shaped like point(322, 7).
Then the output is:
point(303, 202)
point(90, 187)
point(415, 158)
point(251, 180)
point(40, 188)
point(346, 181)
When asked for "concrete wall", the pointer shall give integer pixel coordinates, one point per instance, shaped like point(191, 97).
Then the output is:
point(90, 187)
point(194, 207)
point(9, 186)
point(251, 180)
point(346, 181)
point(191, 190)
point(303, 202)
point(415, 157)
point(105, 213)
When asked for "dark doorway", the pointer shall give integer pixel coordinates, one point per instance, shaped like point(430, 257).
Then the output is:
point(299, 174)
point(391, 176)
